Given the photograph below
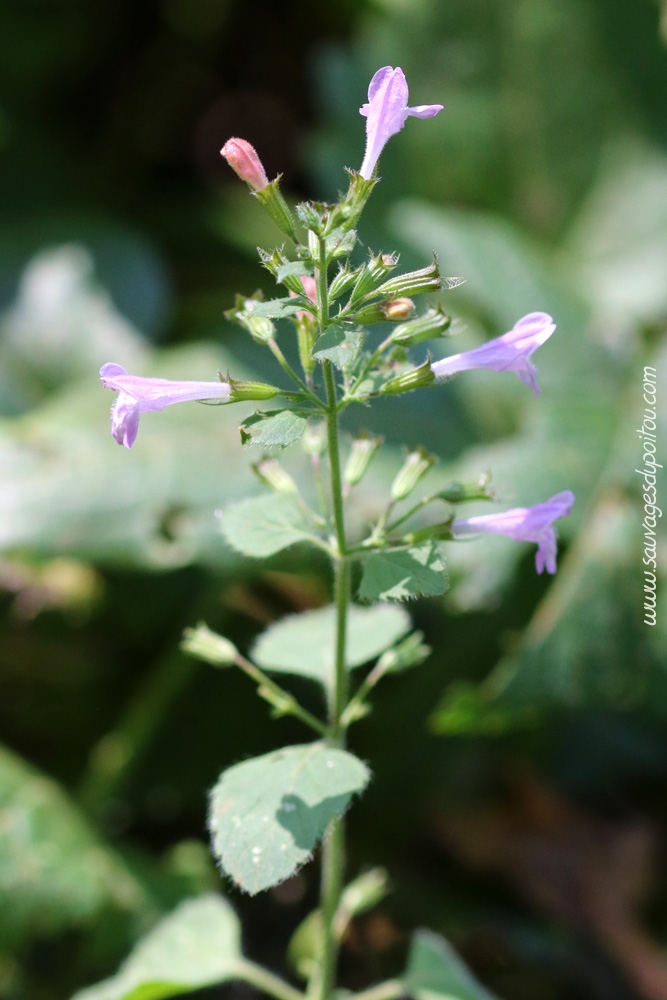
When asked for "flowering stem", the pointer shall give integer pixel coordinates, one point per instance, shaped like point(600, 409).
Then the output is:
point(333, 847)
point(287, 368)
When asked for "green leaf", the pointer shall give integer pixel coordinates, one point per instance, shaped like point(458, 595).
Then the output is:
point(338, 345)
point(304, 644)
point(294, 267)
point(264, 525)
point(273, 428)
point(435, 972)
point(267, 814)
point(54, 869)
point(197, 945)
point(276, 308)
point(398, 574)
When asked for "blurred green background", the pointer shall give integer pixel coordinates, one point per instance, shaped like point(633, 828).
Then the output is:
point(520, 774)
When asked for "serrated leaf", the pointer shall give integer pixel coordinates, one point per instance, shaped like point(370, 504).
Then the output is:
point(275, 429)
point(338, 345)
point(275, 308)
point(399, 574)
point(294, 267)
point(304, 644)
point(197, 945)
point(435, 972)
point(264, 525)
point(267, 814)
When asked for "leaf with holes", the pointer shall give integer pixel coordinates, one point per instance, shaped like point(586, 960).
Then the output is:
point(267, 814)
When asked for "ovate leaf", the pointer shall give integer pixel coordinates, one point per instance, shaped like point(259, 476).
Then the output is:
point(264, 525)
point(435, 972)
point(398, 574)
point(277, 428)
point(338, 345)
point(304, 644)
point(197, 945)
point(267, 814)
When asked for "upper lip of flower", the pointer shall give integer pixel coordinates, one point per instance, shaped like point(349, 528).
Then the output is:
point(137, 395)
point(386, 112)
point(510, 352)
point(525, 524)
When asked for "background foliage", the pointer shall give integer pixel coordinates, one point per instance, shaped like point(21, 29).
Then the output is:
point(518, 798)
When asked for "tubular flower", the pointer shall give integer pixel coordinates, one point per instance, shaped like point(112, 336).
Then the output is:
point(244, 161)
point(386, 113)
point(511, 352)
point(524, 524)
point(138, 395)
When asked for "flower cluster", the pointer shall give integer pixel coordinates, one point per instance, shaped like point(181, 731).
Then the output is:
point(373, 295)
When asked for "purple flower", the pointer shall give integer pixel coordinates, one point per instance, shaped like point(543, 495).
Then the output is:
point(524, 524)
point(138, 395)
point(511, 352)
point(386, 112)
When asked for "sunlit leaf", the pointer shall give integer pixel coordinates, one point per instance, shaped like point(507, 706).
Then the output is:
point(435, 972)
point(304, 644)
point(399, 574)
point(276, 428)
point(267, 814)
point(264, 525)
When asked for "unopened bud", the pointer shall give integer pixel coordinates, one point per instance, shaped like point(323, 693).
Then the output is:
point(365, 892)
point(363, 449)
point(415, 466)
point(272, 474)
point(415, 378)
point(413, 283)
point(209, 646)
point(432, 324)
point(246, 164)
point(409, 653)
point(314, 439)
point(378, 312)
point(342, 282)
point(260, 328)
point(251, 390)
point(465, 492)
point(372, 275)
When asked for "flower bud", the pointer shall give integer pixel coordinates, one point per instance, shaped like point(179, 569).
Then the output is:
point(372, 275)
point(432, 324)
point(378, 312)
point(410, 652)
point(415, 378)
point(209, 646)
point(260, 328)
point(365, 892)
point(272, 474)
point(246, 164)
point(251, 390)
point(314, 439)
point(415, 466)
point(413, 283)
point(363, 449)
point(465, 492)
point(343, 281)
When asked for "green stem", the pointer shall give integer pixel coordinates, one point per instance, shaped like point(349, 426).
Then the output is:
point(265, 981)
point(292, 706)
point(334, 841)
point(287, 368)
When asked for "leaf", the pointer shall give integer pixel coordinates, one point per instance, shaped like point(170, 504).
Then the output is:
point(294, 267)
point(275, 308)
point(304, 644)
point(264, 525)
point(398, 574)
point(54, 869)
point(267, 814)
point(338, 345)
point(197, 945)
point(275, 428)
point(435, 972)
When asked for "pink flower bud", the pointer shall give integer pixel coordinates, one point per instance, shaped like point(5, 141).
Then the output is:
point(245, 162)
